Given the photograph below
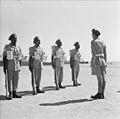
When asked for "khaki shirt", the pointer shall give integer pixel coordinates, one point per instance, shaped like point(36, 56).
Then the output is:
point(14, 55)
point(76, 55)
point(59, 56)
point(38, 55)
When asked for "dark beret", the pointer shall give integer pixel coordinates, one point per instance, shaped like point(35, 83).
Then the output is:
point(96, 32)
point(76, 44)
point(12, 36)
point(35, 39)
point(58, 41)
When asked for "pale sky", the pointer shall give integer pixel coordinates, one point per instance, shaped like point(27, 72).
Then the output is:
point(70, 21)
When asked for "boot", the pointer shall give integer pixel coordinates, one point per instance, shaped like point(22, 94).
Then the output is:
point(78, 84)
point(97, 96)
point(74, 83)
point(38, 90)
point(57, 87)
point(10, 96)
point(15, 95)
point(34, 91)
point(61, 86)
point(101, 96)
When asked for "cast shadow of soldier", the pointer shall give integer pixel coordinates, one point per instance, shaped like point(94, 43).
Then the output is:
point(118, 91)
point(53, 88)
point(66, 102)
point(22, 93)
point(28, 93)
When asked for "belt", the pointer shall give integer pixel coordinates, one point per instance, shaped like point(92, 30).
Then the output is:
point(100, 55)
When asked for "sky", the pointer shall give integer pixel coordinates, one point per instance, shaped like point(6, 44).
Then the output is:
point(70, 21)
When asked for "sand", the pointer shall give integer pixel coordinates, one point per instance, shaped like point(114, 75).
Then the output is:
point(69, 103)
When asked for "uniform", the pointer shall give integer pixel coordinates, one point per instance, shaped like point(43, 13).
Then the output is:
point(13, 56)
point(75, 64)
point(98, 63)
point(58, 64)
point(36, 65)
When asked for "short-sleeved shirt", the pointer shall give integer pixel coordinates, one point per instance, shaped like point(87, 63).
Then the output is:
point(97, 48)
point(74, 58)
point(59, 56)
point(16, 53)
point(38, 54)
point(75, 54)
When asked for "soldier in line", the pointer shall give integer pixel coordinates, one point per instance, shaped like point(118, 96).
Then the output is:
point(75, 63)
point(36, 55)
point(11, 65)
point(58, 63)
point(98, 62)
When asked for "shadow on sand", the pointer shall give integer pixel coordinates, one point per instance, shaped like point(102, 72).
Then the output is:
point(25, 93)
point(2, 97)
point(118, 91)
point(49, 88)
point(21, 93)
point(52, 88)
point(65, 102)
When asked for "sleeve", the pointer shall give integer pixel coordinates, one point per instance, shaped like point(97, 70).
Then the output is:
point(4, 60)
point(42, 54)
point(53, 61)
point(105, 53)
point(71, 62)
point(20, 51)
point(31, 51)
point(93, 48)
point(5, 50)
point(30, 63)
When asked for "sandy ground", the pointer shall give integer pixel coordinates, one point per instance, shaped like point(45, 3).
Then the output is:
point(69, 103)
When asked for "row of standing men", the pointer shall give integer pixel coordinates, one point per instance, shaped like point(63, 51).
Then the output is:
point(12, 62)
point(12, 59)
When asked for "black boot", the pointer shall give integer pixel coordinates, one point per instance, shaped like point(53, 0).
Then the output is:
point(34, 91)
point(78, 84)
point(57, 87)
point(97, 96)
point(61, 86)
point(10, 96)
point(15, 95)
point(101, 96)
point(38, 90)
point(74, 83)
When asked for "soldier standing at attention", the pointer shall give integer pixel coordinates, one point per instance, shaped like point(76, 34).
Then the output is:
point(58, 63)
point(98, 62)
point(36, 65)
point(11, 66)
point(75, 63)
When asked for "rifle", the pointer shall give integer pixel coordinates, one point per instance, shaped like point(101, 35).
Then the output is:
point(6, 84)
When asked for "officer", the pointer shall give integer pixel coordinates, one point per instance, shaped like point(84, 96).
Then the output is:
point(75, 63)
point(58, 63)
point(98, 63)
point(11, 65)
point(36, 64)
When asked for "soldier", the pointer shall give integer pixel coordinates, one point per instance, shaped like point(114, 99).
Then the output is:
point(11, 65)
point(98, 62)
point(36, 64)
point(75, 63)
point(58, 63)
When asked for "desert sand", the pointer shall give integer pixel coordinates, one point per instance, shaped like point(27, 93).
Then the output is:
point(69, 103)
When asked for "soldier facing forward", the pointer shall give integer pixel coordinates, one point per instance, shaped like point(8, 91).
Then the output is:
point(58, 63)
point(35, 65)
point(11, 65)
point(75, 63)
